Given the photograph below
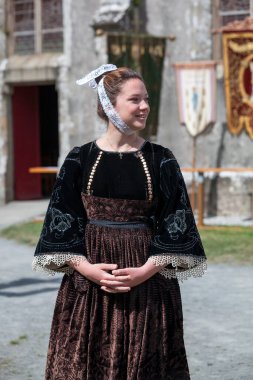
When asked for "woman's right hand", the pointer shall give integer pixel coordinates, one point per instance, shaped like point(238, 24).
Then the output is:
point(98, 272)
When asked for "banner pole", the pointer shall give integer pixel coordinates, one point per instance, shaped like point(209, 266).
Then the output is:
point(193, 173)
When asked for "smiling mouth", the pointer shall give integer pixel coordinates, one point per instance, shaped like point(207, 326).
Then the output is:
point(142, 117)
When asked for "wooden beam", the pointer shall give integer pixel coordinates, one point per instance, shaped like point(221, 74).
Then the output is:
point(44, 170)
point(9, 26)
point(38, 26)
point(218, 170)
point(216, 24)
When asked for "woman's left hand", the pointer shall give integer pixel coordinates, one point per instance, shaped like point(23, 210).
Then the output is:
point(132, 276)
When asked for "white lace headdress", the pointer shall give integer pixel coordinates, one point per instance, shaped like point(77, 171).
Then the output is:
point(108, 108)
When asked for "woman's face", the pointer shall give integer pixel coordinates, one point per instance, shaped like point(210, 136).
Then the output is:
point(132, 104)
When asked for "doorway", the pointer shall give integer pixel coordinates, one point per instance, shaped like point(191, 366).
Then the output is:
point(35, 138)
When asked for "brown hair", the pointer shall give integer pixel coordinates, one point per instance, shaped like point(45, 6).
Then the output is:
point(113, 82)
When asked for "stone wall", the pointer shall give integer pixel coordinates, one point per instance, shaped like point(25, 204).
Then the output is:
point(80, 58)
point(2, 30)
point(191, 23)
point(83, 60)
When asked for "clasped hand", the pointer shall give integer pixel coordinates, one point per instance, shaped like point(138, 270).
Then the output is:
point(113, 280)
point(122, 280)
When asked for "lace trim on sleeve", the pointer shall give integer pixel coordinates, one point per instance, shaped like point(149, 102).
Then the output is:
point(183, 266)
point(56, 262)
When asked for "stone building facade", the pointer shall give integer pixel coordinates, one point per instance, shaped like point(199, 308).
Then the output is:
point(187, 28)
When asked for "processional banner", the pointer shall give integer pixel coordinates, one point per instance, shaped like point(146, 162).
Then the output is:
point(196, 92)
point(144, 54)
point(238, 79)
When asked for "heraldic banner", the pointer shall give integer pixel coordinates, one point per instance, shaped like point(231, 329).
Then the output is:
point(238, 79)
point(196, 91)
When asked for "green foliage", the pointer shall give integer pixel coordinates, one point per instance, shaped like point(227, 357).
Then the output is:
point(222, 244)
point(27, 233)
point(228, 244)
point(5, 363)
point(19, 340)
point(136, 3)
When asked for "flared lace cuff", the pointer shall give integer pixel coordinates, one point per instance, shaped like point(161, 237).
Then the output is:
point(56, 262)
point(183, 266)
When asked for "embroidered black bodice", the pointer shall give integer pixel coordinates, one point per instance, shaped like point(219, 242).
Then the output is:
point(151, 172)
point(120, 175)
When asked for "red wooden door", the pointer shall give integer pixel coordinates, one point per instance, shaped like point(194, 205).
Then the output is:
point(26, 133)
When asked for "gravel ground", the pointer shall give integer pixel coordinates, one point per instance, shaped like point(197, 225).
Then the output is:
point(22, 211)
point(218, 318)
point(218, 315)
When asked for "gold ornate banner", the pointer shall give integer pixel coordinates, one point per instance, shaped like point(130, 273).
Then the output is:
point(238, 79)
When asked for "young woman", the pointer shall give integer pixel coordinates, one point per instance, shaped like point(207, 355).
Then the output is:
point(120, 225)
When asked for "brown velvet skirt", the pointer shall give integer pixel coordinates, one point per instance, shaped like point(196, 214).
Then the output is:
point(130, 336)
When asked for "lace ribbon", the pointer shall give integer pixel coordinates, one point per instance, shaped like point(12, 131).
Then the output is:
point(110, 111)
point(90, 78)
point(108, 108)
point(183, 266)
point(53, 263)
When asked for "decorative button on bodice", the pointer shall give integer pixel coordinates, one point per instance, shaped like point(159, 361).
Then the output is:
point(139, 155)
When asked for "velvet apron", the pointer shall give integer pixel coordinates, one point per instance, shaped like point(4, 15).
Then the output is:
point(129, 336)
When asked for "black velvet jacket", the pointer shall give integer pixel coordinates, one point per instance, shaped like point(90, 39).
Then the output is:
point(176, 239)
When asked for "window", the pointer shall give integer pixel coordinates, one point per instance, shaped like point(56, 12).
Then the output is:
point(52, 25)
point(225, 11)
point(35, 26)
point(231, 10)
